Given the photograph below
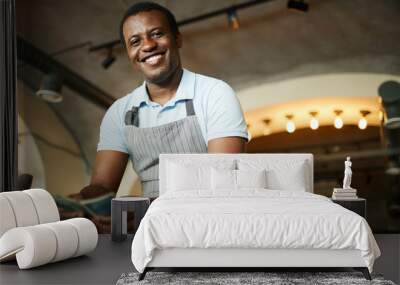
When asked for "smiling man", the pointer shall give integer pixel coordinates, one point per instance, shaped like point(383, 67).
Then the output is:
point(173, 111)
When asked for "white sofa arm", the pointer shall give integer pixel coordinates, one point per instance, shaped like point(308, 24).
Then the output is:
point(40, 244)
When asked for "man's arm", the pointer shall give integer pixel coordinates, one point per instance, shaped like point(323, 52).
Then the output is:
point(227, 145)
point(226, 129)
point(107, 173)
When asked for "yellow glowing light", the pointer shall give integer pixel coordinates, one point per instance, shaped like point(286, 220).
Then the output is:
point(338, 122)
point(362, 123)
point(266, 131)
point(290, 126)
point(249, 135)
point(314, 124)
point(234, 24)
point(233, 20)
point(381, 116)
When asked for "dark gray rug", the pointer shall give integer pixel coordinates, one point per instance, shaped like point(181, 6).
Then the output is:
point(242, 278)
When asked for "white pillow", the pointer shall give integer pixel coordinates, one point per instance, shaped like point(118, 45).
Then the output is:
point(290, 175)
point(185, 175)
point(251, 178)
point(223, 179)
point(237, 179)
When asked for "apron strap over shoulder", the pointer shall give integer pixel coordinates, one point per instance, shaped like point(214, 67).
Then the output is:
point(190, 108)
point(132, 117)
point(146, 143)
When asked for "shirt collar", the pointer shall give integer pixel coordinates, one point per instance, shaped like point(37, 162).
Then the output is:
point(185, 91)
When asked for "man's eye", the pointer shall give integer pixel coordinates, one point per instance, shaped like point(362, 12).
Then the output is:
point(157, 34)
point(134, 42)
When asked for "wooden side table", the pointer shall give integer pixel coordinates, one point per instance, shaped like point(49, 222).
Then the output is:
point(358, 205)
point(119, 208)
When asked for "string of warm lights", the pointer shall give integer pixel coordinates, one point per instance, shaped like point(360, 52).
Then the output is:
point(314, 122)
point(290, 126)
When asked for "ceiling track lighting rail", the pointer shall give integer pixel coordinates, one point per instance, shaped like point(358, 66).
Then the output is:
point(106, 63)
point(71, 48)
point(299, 5)
point(231, 10)
point(40, 60)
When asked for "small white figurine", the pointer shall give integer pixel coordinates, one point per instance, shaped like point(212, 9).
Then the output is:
point(347, 174)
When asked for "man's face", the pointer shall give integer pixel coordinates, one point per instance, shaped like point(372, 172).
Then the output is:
point(152, 47)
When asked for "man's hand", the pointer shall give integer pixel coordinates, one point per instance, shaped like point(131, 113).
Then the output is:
point(91, 191)
point(107, 174)
point(227, 145)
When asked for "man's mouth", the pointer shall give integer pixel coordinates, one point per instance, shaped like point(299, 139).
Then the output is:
point(153, 59)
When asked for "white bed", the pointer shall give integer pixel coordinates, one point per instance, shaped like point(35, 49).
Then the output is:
point(209, 223)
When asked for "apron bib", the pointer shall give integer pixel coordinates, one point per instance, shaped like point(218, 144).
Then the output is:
point(146, 144)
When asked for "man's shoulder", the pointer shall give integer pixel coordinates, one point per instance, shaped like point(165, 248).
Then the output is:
point(126, 101)
point(206, 84)
point(207, 80)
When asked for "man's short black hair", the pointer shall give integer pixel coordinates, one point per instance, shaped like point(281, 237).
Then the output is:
point(145, 7)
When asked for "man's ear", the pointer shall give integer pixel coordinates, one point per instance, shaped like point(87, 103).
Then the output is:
point(178, 39)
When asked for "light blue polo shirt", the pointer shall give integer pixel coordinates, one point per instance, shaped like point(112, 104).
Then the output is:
point(217, 108)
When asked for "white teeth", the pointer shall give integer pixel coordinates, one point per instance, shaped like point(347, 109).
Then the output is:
point(153, 59)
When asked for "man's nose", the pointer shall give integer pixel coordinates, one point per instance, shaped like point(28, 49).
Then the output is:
point(148, 44)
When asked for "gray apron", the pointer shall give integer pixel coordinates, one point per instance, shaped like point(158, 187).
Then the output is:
point(146, 144)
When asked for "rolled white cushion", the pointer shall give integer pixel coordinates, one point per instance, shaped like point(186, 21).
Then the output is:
point(23, 208)
point(45, 243)
point(87, 235)
point(67, 240)
point(45, 205)
point(33, 246)
point(7, 218)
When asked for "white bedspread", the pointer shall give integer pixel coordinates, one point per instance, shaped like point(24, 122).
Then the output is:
point(250, 219)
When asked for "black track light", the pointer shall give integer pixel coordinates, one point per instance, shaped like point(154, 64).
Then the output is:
point(50, 88)
point(389, 91)
point(298, 5)
point(233, 20)
point(109, 59)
